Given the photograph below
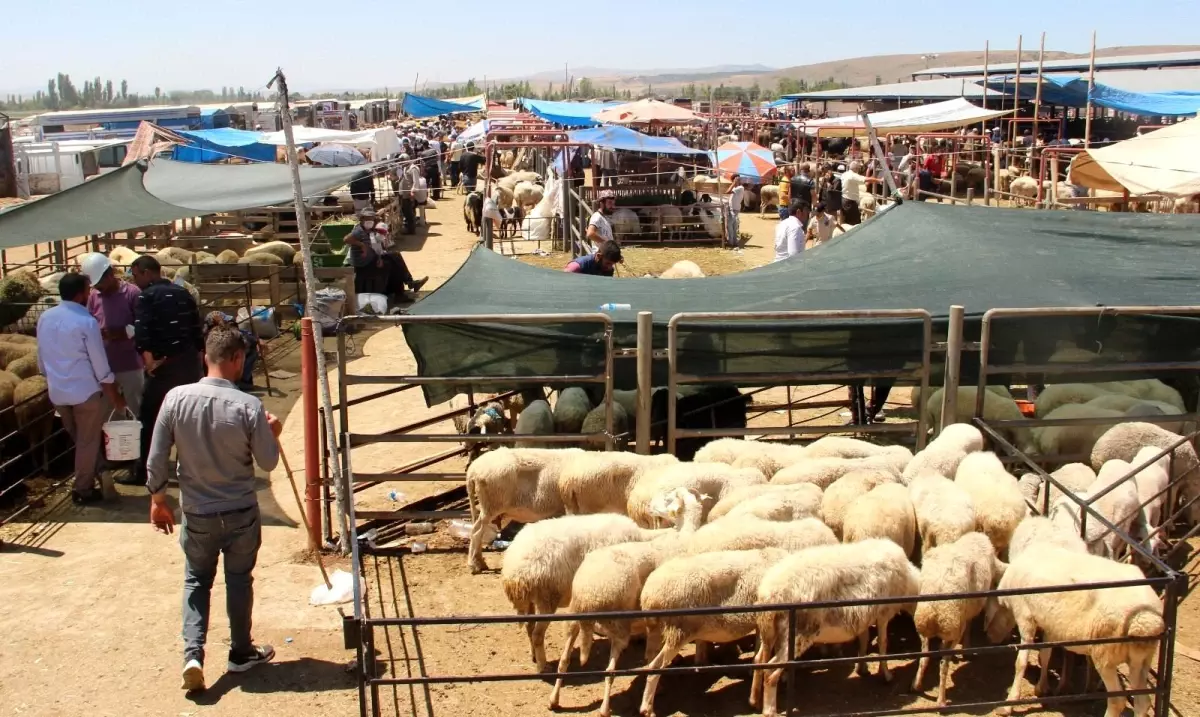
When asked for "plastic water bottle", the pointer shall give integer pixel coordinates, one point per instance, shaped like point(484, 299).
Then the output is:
point(610, 306)
point(460, 529)
point(396, 496)
point(418, 547)
point(499, 544)
point(418, 528)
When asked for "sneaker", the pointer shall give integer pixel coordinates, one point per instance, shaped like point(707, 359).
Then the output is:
point(193, 676)
point(258, 655)
point(418, 283)
point(86, 497)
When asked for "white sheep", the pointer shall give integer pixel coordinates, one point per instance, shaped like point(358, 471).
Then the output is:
point(1124, 440)
point(844, 447)
point(727, 578)
point(712, 480)
point(541, 563)
point(823, 472)
point(122, 256)
point(1119, 505)
point(570, 409)
point(999, 504)
point(1025, 188)
point(600, 482)
point(886, 512)
point(1148, 389)
point(610, 579)
point(751, 533)
point(728, 450)
point(944, 510)
point(1071, 442)
point(855, 571)
point(1060, 394)
point(1152, 484)
point(944, 453)
point(995, 408)
point(1134, 612)
point(683, 270)
point(1075, 476)
point(845, 490)
point(768, 197)
point(772, 458)
point(770, 502)
point(625, 224)
point(1038, 530)
point(514, 483)
point(1134, 406)
point(967, 565)
point(527, 194)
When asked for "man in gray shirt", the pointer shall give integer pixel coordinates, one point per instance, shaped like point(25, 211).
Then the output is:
point(219, 433)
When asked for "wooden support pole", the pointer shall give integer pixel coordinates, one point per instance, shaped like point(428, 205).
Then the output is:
point(645, 364)
point(954, 342)
point(1017, 90)
point(1087, 118)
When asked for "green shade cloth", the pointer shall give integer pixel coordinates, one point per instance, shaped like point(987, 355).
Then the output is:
point(164, 190)
point(915, 256)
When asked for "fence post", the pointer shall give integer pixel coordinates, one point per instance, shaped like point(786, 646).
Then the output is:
point(953, 363)
point(312, 450)
point(645, 363)
point(970, 195)
point(485, 231)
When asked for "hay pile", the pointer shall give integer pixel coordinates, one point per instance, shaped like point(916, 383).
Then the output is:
point(18, 291)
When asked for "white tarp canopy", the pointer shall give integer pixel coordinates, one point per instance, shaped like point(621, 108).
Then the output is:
point(476, 131)
point(307, 135)
point(476, 101)
point(909, 120)
point(1165, 161)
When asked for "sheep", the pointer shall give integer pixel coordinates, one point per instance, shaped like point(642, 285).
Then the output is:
point(1133, 611)
point(24, 366)
point(570, 409)
point(668, 218)
point(8, 384)
point(1060, 394)
point(600, 483)
point(999, 503)
point(995, 408)
point(1127, 404)
point(845, 490)
point(713, 480)
point(1152, 484)
point(854, 571)
point(752, 533)
point(1036, 531)
point(944, 509)
point(823, 472)
point(595, 422)
point(886, 511)
point(967, 565)
point(1072, 442)
point(721, 579)
point(1119, 506)
point(844, 447)
point(261, 259)
point(770, 502)
point(914, 395)
point(541, 563)
point(535, 420)
point(1124, 440)
point(228, 256)
point(19, 339)
point(1075, 476)
point(34, 414)
point(944, 453)
point(710, 219)
point(174, 255)
point(728, 450)
point(625, 224)
point(12, 352)
point(122, 256)
point(527, 194)
point(683, 270)
point(1025, 188)
point(204, 257)
point(514, 483)
point(768, 197)
point(610, 579)
point(1148, 389)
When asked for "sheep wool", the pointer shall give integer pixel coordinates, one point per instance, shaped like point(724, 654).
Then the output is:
point(1124, 440)
point(595, 422)
point(944, 453)
point(886, 512)
point(1060, 394)
point(683, 270)
point(24, 366)
point(122, 256)
point(1134, 611)
point(845, 490)
point(514, 483)
point(1036, 531)
point(995, 408)
point(1072, 441)
point(35, 419)
point(751, 533)
point(999, 503)
point(261, 258)
point(600, 482)
point(711, 480)
point(823, 472)
point(281, 249)
point(866, 570)
point(843, 447)
point(770, 502)
point(570, 410)
point(965, 566)
point(228, 256)
point(945, 511)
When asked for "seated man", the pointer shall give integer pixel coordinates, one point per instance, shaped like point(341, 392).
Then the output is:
point(377, 270)
point(602, 263)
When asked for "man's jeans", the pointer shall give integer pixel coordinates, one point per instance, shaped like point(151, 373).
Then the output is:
point(238, 535)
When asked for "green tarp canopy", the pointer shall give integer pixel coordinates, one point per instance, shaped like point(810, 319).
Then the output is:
point(161, 191)
point(914, 256)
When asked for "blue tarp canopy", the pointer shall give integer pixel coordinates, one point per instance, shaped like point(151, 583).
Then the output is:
point(1071, 90)
point(623, 138)
point(568, 114)
point(420, 107)
point(213, 118)
point(214, 145)
point(783, 102)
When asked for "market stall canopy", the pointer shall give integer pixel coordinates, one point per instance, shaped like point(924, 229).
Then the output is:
point(916, 256)
point(216, 145)
point(909, 120)
point(1165, 161)
point(623, 138)
point(745, 159)
point(164, 190)
point(419, 107)
point(479, 102)
point(474, 132)
point(648, 111)
point(567, 114)
point(309, 135)
point(1166, 93)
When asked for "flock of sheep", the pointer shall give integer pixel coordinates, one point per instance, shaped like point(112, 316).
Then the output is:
point(763, 523)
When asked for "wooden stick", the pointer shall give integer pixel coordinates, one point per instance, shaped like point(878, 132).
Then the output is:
point(1087, 121)
point(1017, 91)
point(1037, 99)
point(303, 514)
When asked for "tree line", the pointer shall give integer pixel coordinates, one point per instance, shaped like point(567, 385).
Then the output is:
point(62, 93)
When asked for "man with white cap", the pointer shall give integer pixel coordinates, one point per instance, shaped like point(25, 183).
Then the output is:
point(112, 303)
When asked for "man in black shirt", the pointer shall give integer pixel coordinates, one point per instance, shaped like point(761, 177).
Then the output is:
point(433, 177)
point(168, 334)
point(469, 164)
point(362, 191)
point(803, 186)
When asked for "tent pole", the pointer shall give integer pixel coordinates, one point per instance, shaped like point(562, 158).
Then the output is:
point(1087, 120)
point(880, 154)
point(1037, 99)
point(645, 362)
point(1017, 90)
point(310, 288)
point(986, 57)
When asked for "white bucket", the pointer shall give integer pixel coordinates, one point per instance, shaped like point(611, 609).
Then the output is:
point(123, 439)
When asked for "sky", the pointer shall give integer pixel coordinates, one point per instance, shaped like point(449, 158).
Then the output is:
point(371, 44)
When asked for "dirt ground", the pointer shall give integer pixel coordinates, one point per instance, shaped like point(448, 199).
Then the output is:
point(91, 596)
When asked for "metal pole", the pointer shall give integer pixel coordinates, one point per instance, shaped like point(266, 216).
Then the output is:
point(310, 283)
point(1087, 119)
point(953, 363)
point(1037, 98)
point(645, 363)
point(312, 435)
point(1017, 90)
point(986, 59)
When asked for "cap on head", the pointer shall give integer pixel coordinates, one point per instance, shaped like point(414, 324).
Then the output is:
point(93, 266)
point(607, 194)
point(366, 213)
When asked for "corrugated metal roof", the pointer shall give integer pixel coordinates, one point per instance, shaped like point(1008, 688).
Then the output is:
point(940, 89)
point(121, 114)
point(1125, 62)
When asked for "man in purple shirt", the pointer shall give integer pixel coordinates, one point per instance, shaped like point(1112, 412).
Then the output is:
point(111, 301)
